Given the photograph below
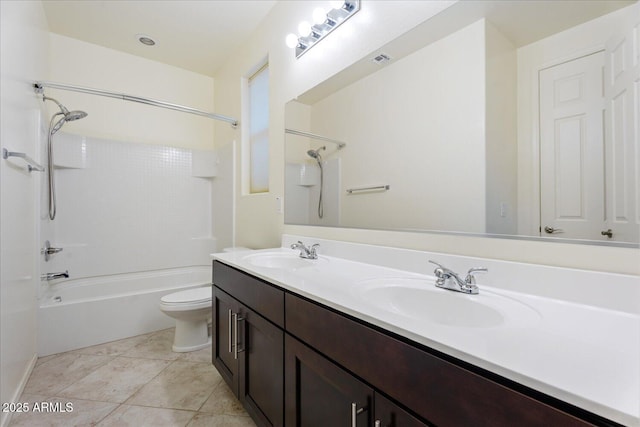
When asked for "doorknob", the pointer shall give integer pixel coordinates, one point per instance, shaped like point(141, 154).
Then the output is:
point(608, 233)
point(551, 230)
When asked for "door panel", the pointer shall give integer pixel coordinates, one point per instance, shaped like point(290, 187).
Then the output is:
point(572, 149)
point(622, 120)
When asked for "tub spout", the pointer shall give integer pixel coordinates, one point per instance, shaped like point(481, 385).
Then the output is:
point(54, 276)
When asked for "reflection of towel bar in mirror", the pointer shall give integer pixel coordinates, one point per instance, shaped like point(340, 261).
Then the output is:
point(32, 165)
point(341, 144)
point(375, 188)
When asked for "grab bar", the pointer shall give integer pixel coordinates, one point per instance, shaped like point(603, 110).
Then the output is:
point(31, 164)
point(377, 187)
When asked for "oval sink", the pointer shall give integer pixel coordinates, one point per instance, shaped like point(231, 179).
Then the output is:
point(280, 260)
point(420, 299)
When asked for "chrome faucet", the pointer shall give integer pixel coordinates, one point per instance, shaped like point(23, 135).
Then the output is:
point(54, 276)
point(305, 252)
point(448, 279)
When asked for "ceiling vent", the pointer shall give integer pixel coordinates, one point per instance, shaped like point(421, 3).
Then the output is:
point(381, 58)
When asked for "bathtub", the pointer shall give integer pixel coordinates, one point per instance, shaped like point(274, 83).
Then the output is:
point(84, 312)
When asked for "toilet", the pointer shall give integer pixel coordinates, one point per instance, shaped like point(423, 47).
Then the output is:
point(192, 310)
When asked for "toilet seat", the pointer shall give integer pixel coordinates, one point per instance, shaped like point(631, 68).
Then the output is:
point(194, 296)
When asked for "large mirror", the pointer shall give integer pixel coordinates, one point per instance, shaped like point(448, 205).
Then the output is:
point(511, 118)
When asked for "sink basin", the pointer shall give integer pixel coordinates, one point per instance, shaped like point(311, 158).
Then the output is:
point(281, 260)
point(421, 300)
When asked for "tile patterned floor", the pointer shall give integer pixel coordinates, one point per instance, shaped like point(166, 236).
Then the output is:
point(136, 381)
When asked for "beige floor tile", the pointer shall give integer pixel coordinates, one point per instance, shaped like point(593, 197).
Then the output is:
point(115, 381)
point(46, 359)
point(223, 402)
point(68, 412)
point(114, 348)
point(60, 372)
point(182, 385)
point(141, 416)
point(210, 420)
point(157, 346)
point(201, 356)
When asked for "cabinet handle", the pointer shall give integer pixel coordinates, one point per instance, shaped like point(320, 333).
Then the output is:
point(354, 413)
point(230, 331)
point(236, 319)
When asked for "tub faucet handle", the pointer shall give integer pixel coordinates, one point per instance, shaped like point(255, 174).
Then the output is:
point(48, 250)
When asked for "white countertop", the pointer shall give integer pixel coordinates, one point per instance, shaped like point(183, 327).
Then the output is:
point(586, 355)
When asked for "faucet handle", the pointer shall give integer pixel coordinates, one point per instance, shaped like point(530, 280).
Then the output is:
point(471, 279)
point(312, 251)
point(441, 271)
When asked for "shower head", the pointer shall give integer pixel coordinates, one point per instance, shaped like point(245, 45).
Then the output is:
point(316, 153)
point(74, 115)
point(67, 116)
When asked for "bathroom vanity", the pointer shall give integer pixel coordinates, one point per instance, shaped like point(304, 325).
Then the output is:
point(298, 349)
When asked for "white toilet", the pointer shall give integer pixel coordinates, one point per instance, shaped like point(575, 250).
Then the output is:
point(192, 310)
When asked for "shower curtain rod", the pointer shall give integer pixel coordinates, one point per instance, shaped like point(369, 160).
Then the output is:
point(39, 88)
point(341, 144)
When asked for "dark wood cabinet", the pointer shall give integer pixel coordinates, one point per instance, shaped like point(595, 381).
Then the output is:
point(248, 353)
point(319, 393)
point(389, 414)
point(295, 362)
point(222, 337)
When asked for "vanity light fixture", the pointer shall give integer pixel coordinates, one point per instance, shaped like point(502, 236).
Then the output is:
point(323, 23)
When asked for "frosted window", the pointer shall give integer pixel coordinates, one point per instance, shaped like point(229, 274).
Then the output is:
point(259, 131)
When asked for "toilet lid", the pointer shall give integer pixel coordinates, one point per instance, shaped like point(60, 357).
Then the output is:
point(188, 296)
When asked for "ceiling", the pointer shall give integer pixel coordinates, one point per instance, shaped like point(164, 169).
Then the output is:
point(195, 35)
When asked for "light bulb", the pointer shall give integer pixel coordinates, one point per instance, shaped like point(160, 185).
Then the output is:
point(291, 40)
point(336, 4)
point(319, 16)
point(304, 28)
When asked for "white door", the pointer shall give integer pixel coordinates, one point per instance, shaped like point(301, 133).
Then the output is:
point(572, 149)
point(622, 119)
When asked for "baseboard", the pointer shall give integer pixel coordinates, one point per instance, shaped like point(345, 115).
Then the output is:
point(5, 418)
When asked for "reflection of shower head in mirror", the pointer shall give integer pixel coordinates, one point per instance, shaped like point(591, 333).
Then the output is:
point(316, 154)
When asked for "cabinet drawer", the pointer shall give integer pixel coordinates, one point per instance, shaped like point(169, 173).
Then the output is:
point(262, 297)
point(438, 390)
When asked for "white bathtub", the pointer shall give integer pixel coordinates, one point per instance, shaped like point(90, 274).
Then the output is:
point(83, 312)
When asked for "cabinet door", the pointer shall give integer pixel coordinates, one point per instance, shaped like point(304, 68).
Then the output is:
point(388, 414)
point(261, 370)
point(319, 393)
point(223, 339)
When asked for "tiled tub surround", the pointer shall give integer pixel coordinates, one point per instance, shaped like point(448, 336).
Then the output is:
point(583, 347)
point(127, 207)
point(134, 222)
point(131, 382)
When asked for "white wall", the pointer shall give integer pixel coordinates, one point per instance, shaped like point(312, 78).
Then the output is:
point(84, 64)
point(258, 224)
point(501, 133)
point(24, 54)
point(405, 127)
